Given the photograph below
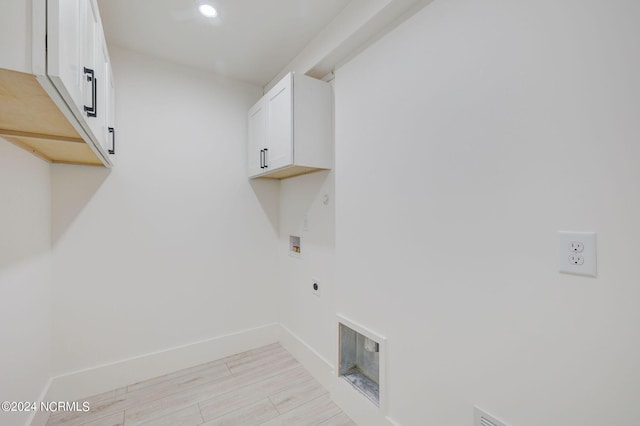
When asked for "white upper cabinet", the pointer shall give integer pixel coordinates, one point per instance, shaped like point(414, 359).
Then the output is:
point(57, 103)
point(93, 69)
point(279, 103)
point(100, 94)
point(257, 138)
point(73, 67)
point(78, 46)
point(111, 111)
point(65, 47)
point(290, 129)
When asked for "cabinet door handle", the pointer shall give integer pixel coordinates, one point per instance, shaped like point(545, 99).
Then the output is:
point(92, 110)
point(262, 159)
point(112, 150)
point(265, 157)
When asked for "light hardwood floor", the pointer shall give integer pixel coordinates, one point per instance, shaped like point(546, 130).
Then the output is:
point(265, 386)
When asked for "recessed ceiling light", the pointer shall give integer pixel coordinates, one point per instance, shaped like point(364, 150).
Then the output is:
point(208, 10)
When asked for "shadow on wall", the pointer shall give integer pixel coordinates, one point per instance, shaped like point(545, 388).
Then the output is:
point(80, 183)
point(24, 206)
point(267, 193)
point(309, 196)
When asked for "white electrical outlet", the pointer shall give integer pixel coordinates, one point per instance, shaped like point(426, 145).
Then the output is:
point(315, 287)
point(576, 259)
point(577, 253)
point(576, 246)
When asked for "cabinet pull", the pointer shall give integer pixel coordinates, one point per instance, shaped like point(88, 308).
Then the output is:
point(92, 110)
point(265, 157)
point(112, 150)
point(262, 159)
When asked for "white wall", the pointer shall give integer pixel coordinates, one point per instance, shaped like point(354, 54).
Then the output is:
point(464, 140)
point(307, 316)
point(173, 245)
point(15, 35)
point(25, 270)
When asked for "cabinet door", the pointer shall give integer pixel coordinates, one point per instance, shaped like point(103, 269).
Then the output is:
point(111, 111)
point(98, 122)
point(280, 124)
point(65, 64)
point(76, 57)
point(257, 138)
point(96, 60)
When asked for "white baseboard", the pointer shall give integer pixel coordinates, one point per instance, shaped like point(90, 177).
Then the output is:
point(319, 367)
point(103, 378)
point(392, 422)
point(356, 406)
point(40, 418)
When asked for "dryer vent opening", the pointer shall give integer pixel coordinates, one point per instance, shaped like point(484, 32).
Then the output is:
point(360, 362)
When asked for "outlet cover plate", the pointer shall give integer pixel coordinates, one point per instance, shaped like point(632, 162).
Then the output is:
point(579, 262)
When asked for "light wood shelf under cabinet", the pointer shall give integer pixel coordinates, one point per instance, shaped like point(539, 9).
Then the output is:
point(31, 120)
point(291, 171)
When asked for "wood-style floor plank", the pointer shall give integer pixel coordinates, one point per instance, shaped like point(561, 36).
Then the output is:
point(189, 416)
point(254, 414)
point(264, 386)
point(164, 405)
point(310, 414)
point(116, 419)
point(296, 395)
point(240, 398)
point(340, 420)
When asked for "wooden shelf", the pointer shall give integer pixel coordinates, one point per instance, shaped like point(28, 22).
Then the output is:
point(290, 171)
point(31, 120)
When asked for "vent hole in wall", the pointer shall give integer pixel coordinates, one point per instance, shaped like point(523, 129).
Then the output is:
point(360, 362)
point(484, 419)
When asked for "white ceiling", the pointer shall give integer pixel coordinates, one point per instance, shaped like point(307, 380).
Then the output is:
point(250, 40)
